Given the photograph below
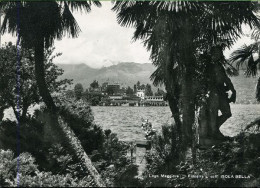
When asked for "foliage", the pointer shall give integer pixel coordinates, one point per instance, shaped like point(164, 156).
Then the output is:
point(79, 117)
point(174, 32)
point(25, 85)
point(40, 24)
point(31, 130)
point(92, 97)
point(110, 90)
point(159, 93)
point(113, 163)
point(28, 175)
point(245, 56)
point(94, 84)
point(239, 156)
point(135, 88)
point(164, 154)
point(129, 91)
point(148, 90)
point(62, 162)
point(78, 90)
point(56, 158)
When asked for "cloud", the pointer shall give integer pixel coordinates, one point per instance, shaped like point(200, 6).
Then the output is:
point(101, 42)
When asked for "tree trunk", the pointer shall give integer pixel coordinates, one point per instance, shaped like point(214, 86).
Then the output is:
point(188, 70)
point(25, 109)
point(40, 75)
point(2, 113)
point(188, 104)
point(54, 122)
point(174, 106)
point(17, 114)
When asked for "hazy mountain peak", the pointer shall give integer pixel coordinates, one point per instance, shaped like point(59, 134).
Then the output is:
point(127, 73)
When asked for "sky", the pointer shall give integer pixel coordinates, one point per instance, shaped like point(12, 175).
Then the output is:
point(103, 42)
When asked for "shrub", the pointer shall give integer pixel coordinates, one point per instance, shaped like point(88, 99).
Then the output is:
point(28, 175)
point(29, 134)
point(61, 162)
point(239, 156)
point(165, 151)
point(79, 117)
point(113, 163)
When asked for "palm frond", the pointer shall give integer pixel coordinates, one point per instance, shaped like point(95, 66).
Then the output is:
point(251, 67)
point(157, 77)
point(49, 19)
point(69, 23)
point(10, 18)
point(81, 5)
point(241, 55)
point(244, 56)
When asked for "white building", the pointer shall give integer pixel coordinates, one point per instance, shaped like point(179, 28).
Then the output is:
point(140, 93)
point(154, 98)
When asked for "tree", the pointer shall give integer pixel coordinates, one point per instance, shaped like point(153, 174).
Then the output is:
point(135, 88)
point(148, 90)
point(129, 91)
point(246, 55)
point(39, 24)
point(138, 85)
point(94, 84)
point(142, 86)
point(159, 92)
point(175, 32)
point(25, 85)
point(110, 91)
point(78, 90)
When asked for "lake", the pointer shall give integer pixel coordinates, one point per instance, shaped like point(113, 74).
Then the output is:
point(126, 121)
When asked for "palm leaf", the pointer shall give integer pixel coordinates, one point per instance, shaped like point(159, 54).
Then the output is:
point(241, 55)
point(245, 56)
point(69, 24)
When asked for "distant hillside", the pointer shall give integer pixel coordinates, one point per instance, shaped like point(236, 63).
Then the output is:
point(245, 87)
point(127, 74)
point(124, 73)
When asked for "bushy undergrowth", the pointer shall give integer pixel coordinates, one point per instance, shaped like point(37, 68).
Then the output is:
point(57, 165)
point(54, 158)
point(79, 117)
point(28, 174)
point(108, 154)
point(231, 163)
point(113, 163)
point(165, 151)
point(27, 137)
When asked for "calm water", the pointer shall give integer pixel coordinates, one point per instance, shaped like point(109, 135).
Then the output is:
point(126, 121)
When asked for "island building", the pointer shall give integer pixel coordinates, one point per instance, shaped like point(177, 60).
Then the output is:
point(140, 93)
point(115, 95)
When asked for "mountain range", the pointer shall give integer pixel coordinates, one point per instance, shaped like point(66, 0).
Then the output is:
point(125, 73)
point(128, 73)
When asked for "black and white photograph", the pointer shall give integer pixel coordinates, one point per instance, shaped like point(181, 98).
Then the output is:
point(127, 93)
